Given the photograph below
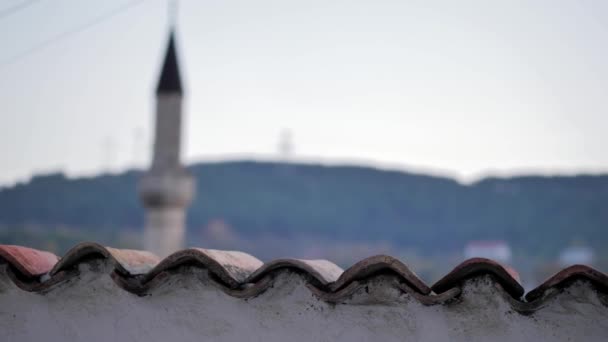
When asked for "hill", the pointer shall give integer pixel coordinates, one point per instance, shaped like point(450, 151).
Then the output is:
point(534, 213)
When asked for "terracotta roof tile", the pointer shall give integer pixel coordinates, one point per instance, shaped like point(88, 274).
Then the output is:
point(379, 264)
point(322, 271)
point(233, 268)
point(127, 261)
point(479, 266)
point(29, 262)
point(243, 276)
point(567, 276)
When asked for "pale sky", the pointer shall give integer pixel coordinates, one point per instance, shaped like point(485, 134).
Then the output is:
point(465, 88)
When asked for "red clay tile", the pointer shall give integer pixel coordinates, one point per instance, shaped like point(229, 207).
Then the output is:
point(29, 262)
point(233, 268)
point(566, 276)
point(323, 271)
point(127, 261)
point(242, 275)
point(479, 266)
point(378, 264)
point(134, 261)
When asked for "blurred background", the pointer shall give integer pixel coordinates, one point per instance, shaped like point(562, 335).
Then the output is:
point(432, 131)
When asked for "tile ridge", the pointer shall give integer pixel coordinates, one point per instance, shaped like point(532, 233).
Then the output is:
point(231, 267)
point(568, 275)
point(321, 271)
point(241, 275)
point(377, 264)
point(474, 267)
point(126, 261)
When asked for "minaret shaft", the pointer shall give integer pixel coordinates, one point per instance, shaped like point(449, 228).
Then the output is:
point(165, 230)
point(167, 135)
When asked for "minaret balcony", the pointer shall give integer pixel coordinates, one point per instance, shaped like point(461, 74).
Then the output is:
point(167, 189)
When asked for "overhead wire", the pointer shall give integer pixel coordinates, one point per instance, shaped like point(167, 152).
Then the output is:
point(63, 35)
point(16, 8)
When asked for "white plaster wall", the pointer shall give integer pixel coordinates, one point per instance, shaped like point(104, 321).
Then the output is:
point(191, 308)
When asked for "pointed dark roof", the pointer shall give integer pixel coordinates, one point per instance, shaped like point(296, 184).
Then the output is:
point(170, 81)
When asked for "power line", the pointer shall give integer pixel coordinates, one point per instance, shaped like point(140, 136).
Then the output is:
point(71, 32)
point(16, 8)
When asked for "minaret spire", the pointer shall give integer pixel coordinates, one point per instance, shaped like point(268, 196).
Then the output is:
point(170, 80)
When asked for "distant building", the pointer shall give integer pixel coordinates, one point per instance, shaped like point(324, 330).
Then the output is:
point(495, 250)
point(576, 255)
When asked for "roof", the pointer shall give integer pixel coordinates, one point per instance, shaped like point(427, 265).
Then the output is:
point(242, 275)
point(170, 80)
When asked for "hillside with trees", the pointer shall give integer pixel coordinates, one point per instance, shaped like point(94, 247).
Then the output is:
point(537, 214)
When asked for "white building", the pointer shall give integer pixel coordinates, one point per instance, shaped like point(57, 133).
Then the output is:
point(494, 250)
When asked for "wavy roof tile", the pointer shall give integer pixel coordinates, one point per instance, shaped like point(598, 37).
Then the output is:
point(478, 266)
point(29, 262)
point(126, 261)
point(232, 268)
point(242, 275)
point(568, 275)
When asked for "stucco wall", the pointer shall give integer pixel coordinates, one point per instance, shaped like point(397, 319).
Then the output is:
point(190, 307)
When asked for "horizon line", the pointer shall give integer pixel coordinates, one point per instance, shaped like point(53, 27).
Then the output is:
point(328, 162)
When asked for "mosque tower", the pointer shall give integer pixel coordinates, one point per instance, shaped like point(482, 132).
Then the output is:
point(167, 189)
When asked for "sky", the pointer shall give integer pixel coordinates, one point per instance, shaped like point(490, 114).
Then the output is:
point(460, 88)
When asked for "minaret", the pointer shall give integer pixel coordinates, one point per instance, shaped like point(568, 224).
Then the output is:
point(167, 188)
